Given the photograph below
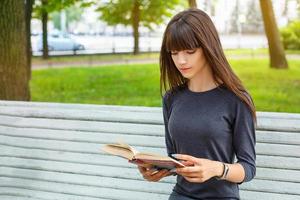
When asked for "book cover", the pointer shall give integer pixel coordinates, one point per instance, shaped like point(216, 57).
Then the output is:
point(133, 156)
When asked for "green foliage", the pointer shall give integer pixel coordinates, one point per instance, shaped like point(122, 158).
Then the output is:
point(139, 85)
point(151, 11)
point(50, 6)
point(290, 36)
point(73, 13)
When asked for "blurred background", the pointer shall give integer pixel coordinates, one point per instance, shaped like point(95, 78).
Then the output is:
point(106, 52)
point(82, 29)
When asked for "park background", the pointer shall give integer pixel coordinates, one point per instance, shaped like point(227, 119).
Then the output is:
point(119, 62)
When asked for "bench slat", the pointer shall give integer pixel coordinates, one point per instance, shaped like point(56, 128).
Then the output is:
point(94, 137)
point(12, 197)
point(89, 107)
point(88, 147)
point(40, 154)
point(266, 121)
point(111, 127)
point(134, 185)
point(261, 136)
point(272, 186)
point(129, 173)
point(251, 195)
point(43, 195)
point(80, 190)
point(64, 106)
point(88, 180)
point(84, 115)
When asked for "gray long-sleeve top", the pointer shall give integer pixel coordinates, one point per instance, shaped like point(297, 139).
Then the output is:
point(215, 125)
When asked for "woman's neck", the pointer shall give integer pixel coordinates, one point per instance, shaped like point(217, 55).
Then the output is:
point(203, 82)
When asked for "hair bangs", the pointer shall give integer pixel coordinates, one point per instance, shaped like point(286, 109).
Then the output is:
point(181, 37)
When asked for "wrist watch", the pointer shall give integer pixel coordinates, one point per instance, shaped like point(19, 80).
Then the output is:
point(225, 172)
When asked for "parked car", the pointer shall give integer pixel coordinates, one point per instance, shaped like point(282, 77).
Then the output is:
point(59, 42)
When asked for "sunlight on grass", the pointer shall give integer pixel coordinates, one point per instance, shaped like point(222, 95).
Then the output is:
point(272, 90)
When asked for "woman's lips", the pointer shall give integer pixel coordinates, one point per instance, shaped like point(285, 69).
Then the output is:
point(184, 69)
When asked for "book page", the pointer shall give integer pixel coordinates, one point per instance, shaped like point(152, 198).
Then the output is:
point(122, 150)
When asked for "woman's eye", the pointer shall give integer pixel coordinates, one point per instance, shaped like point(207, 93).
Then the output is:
point(191, 51)
point(173, 53)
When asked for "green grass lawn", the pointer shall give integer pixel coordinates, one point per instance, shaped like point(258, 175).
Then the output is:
point(272, 90)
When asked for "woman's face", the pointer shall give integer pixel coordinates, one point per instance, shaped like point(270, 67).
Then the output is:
point(190, 63)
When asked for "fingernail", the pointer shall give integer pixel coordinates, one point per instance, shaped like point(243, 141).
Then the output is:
point(155, 172)
point(174, 155)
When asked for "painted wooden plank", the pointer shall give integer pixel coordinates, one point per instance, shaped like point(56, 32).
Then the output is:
point(87, 180)
point(78, 136)
point(278, 149)
point(90, 147)
point(274, 162)
point(71, 146)
point(272, 121)
point(50, 178)
point(90, 115)
point(251, 195)
point(278, 175)
point(245, 195)
point(278, 162)
point(91, 191)
point(276, 137)
point(43, 105)
point(11, 197)
point(157, 140)
point(34, 194)
point(129, 172)
point(113, 127)
point(279, 187)
point(71, 106)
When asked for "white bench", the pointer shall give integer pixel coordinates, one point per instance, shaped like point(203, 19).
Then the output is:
point(52, 151)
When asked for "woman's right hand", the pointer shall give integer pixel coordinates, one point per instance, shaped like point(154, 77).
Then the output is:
point(152, 174)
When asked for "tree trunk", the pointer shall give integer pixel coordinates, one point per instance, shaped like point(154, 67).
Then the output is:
point(14, 76)
point(28, 10)
point(192, 3)
point(135, 24)
point(276, 51)
point(45, 29)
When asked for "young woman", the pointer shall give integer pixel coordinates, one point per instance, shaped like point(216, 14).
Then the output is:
point(209, 117)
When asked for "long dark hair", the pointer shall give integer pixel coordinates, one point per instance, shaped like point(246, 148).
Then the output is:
point(192, 29)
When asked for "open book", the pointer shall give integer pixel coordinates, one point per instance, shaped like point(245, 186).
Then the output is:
point(128, 152)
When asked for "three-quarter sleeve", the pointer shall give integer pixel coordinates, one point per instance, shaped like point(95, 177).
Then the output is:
point(244, 140)
point(168, 139)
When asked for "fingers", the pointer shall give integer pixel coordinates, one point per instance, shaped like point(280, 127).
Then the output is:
point(155, 175)
point(189, 172)
point(184, 157)
point(189, 169)
point(187, 163)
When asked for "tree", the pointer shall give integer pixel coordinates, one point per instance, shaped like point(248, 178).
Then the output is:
point(234, 19)
point(14, 74)
point(28, 12)
point(136, 13)
point(73, 13)
point(44, 16)
point(192, 3)
point(43, 8)
point(276, 51)
point(254, 22)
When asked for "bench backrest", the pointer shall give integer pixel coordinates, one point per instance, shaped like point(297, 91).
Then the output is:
point(52, 151)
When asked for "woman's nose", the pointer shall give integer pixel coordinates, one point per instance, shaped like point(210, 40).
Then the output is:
point(181, 58)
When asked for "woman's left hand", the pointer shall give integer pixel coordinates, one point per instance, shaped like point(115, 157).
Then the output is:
point(201, 170)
